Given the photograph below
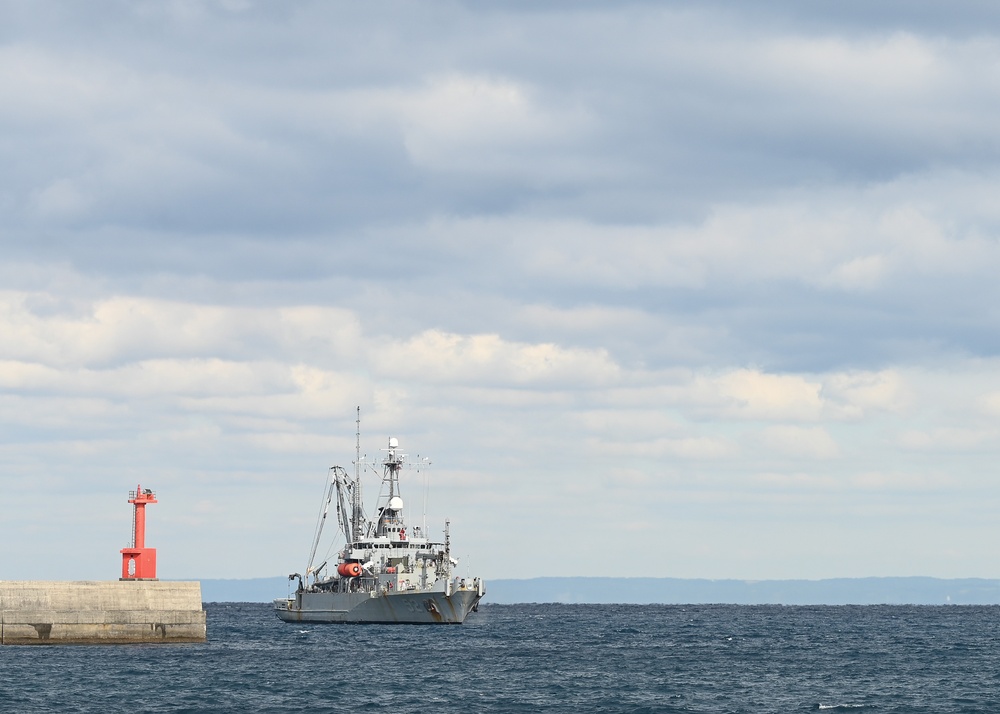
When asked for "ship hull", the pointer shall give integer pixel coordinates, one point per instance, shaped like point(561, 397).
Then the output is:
point(415, 608)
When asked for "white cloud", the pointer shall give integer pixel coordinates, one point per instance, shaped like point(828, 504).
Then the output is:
point(853, 394)
point(812, 442)
point(960, 440)
point(864, 273)
point(124, 328)
point(900, 65)
point(438, 356)
point(751, 394)
point(454, 118)
point(716, 271)
point(853, 241)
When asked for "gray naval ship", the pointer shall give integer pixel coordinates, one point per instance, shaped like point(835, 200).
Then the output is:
point(386, 572)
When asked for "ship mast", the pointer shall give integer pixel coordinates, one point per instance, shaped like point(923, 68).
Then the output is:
point(390, 516)
point(357, 508)
point(393, 463)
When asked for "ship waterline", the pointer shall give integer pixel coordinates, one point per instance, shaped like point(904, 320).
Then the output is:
point(403, 608)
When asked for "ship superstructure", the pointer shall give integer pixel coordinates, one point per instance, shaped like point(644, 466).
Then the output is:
point(387, 571)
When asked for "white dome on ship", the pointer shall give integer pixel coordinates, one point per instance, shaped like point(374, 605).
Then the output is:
point(395, 504)
point(393, 442)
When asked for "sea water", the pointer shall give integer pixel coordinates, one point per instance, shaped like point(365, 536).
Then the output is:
point(539, 658)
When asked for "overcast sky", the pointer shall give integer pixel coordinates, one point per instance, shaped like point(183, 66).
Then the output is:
point(661, 289)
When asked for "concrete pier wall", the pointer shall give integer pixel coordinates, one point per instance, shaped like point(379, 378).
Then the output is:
point(101, 612)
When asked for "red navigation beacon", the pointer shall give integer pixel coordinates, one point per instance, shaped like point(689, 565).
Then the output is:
point(139, 562)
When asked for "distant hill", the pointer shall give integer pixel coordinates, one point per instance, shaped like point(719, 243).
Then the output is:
point(836, 591)
point(250, 590)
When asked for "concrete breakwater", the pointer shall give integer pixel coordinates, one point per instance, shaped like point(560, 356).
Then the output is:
point(100, 612)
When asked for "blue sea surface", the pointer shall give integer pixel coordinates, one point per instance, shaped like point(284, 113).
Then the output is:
point(539, 658)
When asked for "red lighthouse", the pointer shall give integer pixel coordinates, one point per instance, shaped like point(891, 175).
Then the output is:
point(139, 562)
